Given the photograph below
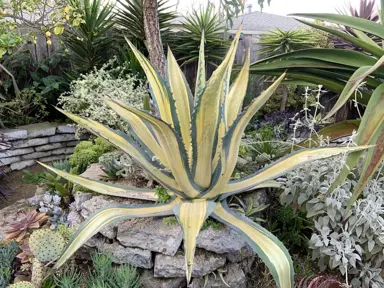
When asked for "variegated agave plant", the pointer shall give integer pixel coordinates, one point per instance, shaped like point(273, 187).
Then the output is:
point(191, 148)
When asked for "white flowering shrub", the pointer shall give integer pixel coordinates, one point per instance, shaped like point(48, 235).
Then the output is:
point(353, 244)
point(86, 94)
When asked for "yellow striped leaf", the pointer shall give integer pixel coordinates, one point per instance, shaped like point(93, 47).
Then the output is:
point(371, 122)
point(235, 97)
point(285, 165)
point(200, 75)
point(127, 147)
point(107, 188)
point(267, 246)
point(207, 120)
point(141, 130)
point(183, 101)
point(231, 141)
point(108, 216)
point(173, 148)
point(192, 215)
point(159, 90)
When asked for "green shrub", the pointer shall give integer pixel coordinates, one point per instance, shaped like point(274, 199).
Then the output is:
point(88, 152)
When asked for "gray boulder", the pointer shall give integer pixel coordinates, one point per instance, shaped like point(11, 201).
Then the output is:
point(151, 234)
point(232, 275)
point(125, 255)
point(174, 266)
point(149, 281)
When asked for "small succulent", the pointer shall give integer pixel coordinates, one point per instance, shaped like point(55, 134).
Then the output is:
point(46, 245)
point(249, 210)
point(23, 284)
point(32, 220)
point(50, 204)
point(26, 254)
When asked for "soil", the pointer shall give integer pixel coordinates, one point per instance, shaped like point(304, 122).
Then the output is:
point(18, 189)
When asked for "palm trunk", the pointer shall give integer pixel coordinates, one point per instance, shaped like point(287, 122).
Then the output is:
point(152, 35)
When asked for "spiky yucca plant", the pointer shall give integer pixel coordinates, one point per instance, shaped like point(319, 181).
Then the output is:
point(191, 148)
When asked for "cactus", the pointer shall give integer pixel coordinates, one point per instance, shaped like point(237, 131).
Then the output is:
point(39, 271)
point(22, 284)
point(46, 245)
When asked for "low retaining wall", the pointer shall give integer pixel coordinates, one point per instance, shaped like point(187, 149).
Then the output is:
point(44, 142)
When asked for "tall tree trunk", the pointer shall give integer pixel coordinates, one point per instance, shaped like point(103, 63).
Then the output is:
point(152, 35)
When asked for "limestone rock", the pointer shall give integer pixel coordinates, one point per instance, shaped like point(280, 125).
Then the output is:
point(149, 281)
point(152, 234)
point(224, 241)
point(80, 198)
point(16, 152)
point(14, 134)
point(174, 266)
point(49, 147)
point(74, 218)
point(232, 274)
point(72, 143)
point(94, 172)
point(10, 160)
point(125, 255)
point(68, 150)
point(53, 158)
point(62, 138)
point(40, 129)
point(22, 164)
point(63, 129)
point(36, 155)
point(30, 142)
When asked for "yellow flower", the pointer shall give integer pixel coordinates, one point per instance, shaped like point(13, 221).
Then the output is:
point(66, 10)
point(67, 17)
point(49, 42)
point(48, 34)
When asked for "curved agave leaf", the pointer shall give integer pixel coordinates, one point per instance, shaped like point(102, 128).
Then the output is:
point(367, 46)
point(128, 146)
point(371, 122)
point(107, 188)
point(283, 166)
point(108, 216)
point(349, 21)
point(206, 120)
point(173, 148)
point(191, 216)
point(200, 74)
point(267, 246)
point(232, 139)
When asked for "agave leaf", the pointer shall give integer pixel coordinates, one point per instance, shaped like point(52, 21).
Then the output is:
point(108, 216)
point(361, 35)
point(207, 119)
point(284, 165)
point(349, 21)
point(373, 160)
point(107, 188)
point(142, 131)
point(200, 75)
point(267, 246)
point(349, 89)
point(192, 216)
point(159, 90)
point(367, 46)
point(172, 146)
point(183, 101)
point(333, 132)
point(371, 122)
point(232, 139)
point(129, 147)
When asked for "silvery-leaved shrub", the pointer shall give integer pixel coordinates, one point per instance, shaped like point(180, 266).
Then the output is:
point(353, 244)
point(86, 95)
